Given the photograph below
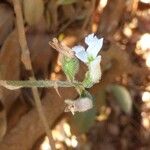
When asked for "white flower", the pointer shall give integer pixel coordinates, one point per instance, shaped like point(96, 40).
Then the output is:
point(94, 46)
point(79, 105)
point(89, 56)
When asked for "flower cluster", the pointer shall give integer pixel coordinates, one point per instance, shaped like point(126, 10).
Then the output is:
point(70, 66)
point(90, 58)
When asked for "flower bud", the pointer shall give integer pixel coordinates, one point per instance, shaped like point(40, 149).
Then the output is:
point(79, 105)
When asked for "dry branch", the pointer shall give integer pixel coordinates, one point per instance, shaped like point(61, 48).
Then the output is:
point(25, 57)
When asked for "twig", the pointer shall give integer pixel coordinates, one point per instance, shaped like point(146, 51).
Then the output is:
point(25, 57)
point(89, 14)
point(65, 26)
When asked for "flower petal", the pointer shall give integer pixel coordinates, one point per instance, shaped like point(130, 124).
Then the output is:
point(94, 47)
point(95, 69)
point(89, 39)
point(80, 53)
point(78, 48)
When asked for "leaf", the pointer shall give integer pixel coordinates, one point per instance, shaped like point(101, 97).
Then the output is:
point(122, 96)
point(33, 11)
point(66, 2)
point(39, 52)
point(3, 120)
point(10, 68)
point(6, 21)
point(70, 67)
point(84, 120)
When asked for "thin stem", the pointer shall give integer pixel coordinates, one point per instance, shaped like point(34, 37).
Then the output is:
point(89, 14)
point(42, 116)
point(25, 57)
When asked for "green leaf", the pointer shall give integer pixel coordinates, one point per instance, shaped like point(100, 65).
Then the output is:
point(70, 66)
point(122, 96)
point(33, 10)
point(84, 120)
point(66, 2)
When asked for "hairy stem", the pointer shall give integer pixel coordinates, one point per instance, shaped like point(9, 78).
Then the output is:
point(36, 83)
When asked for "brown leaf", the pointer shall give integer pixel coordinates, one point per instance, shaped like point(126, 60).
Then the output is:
point(3, 120)
point(10, 67)
point(52, 15)
point(42, 54)
point(69, 11)
point(111, 17)
point(33, 11)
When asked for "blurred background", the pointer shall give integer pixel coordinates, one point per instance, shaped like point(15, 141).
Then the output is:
point(120, 119)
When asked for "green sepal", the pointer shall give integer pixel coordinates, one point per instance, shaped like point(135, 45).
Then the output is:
point(70, 66)
point(87, 82)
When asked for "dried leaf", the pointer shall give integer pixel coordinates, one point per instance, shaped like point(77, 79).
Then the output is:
point(6, 21)
point(39, 51)
point(52, 15)
point(62, 48)
point(33, 11)
point(10, 67)
point(68, 11)
point(3, 121)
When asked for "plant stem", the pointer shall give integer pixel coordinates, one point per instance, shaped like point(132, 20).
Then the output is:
point(36, 83)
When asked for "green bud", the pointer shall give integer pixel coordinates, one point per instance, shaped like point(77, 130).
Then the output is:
point(70, 66)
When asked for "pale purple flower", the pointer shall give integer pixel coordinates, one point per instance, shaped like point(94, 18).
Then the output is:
point(89, 56)
point(94, 46)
